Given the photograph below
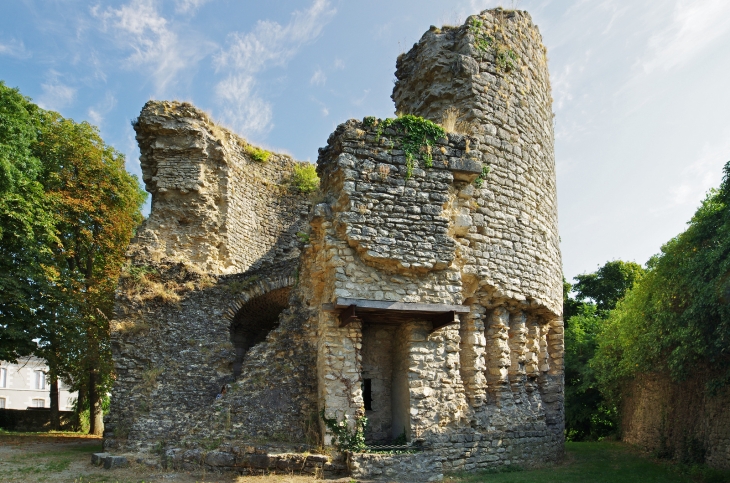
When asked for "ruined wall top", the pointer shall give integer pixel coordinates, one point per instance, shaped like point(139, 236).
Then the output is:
point(213, 203)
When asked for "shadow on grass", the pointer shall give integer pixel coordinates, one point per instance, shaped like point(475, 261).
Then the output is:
point(605, 462)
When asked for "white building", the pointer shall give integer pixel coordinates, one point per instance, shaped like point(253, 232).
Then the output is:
point(25, 385)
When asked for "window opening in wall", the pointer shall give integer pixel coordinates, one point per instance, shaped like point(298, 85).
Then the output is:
point(367, 394)
point(40, 380)
point(39, 403)
point(3, 377)
point(253, 322)
point(2, 403)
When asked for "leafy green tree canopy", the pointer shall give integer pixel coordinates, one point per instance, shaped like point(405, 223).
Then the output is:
point(68, 209)
point(27, 230)
point(608, 284)
point(587, 415)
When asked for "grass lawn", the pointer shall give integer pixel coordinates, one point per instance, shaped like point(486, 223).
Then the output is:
point(606, 462)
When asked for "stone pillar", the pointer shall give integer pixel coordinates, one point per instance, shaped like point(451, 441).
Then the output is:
point(518, 354)
point(552, 382)
point(473, 352)
point(498, 355)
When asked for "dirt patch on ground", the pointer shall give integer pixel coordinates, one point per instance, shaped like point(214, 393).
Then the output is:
point(59, 457)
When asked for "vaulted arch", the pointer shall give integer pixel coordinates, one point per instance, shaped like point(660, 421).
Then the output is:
point(255, 313)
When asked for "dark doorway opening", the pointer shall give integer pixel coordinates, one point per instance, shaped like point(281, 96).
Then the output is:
point(385, 383)
point(367, 394)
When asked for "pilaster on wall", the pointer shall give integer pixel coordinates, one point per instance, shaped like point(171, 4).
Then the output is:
point(473, 355)
point(552, 383)
point(339, 362)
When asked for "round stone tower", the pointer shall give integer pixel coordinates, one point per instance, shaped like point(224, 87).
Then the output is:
point(489, 79)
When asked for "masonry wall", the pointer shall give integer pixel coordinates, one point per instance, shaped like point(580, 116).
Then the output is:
point(483, 393)
point(492, 73)
point(678, 420)
point(218, 249)
point(501, 94)
point(213, 205)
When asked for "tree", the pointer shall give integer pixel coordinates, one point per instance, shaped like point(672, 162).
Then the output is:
point(27, 230)
point(608, 284)
point(68, 210)
point(98, 206)
point(587, 414)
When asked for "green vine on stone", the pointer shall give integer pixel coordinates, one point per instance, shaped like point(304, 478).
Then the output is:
point(482, 176)
point(344, 438)
point(419, 135)
point(505, 57)
point(482, 41)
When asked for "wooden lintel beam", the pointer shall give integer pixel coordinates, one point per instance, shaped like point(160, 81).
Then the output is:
point(348, 316)
point(442, 320)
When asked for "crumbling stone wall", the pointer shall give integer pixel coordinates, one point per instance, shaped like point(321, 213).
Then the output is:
point(492, 73)
point(214, 263)
point(213, 205)
point(678, 420)
point(513, 242)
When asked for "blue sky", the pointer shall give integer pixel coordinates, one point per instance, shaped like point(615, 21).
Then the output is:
point(640, 89)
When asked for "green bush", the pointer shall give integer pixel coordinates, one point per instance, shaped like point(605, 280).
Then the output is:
point(258, 154)
point(305, 178)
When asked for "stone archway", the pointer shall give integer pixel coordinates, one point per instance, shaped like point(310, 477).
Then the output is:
point(255, 313)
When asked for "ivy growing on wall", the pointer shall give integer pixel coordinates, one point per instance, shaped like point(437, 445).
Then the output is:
point(344, 438)
point(482, 176)
point(418, 136)
point(504, 56)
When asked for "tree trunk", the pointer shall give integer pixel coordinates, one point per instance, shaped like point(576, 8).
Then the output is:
point(96, 418)
point(55, 416)
point(80, 403)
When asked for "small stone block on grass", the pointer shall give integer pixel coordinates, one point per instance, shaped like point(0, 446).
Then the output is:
point(111, 462)
point(98, 458)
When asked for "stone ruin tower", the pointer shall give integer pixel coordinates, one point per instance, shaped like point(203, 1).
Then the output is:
point(420, 287)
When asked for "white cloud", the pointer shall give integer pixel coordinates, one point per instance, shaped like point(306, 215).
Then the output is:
point(14, 48)
point(140, 28)
point(339, 64)
point(97, 112)
point(318, 78)
point(189, 6)
point(703, 174)
point(361, 100)
point(695, 25)
point(269, 44)
point(241, 106)
point(56, 94)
